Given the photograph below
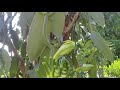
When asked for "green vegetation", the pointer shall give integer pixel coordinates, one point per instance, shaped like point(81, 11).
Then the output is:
point(60, 45)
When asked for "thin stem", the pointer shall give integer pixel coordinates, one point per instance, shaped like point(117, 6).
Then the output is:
point(74, 60)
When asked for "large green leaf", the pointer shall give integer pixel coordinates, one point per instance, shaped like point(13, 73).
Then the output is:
point(6, 59)
point(101, 44)
point(35, 41)
point(38, 38)
point(55, 24)
point(98, 17)
point(39, 34)
point(46, 29)
point(58, 20)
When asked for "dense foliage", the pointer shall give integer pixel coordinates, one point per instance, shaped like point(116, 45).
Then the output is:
point(60, 45)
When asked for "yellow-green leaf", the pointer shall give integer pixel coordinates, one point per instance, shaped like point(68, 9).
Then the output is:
point(85, 67)
point(66, 48)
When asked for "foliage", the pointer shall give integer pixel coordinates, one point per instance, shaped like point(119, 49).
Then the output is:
point(58, 44)
point(113, 70)
point(112, 32)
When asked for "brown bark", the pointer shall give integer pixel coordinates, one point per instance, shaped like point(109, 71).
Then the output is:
point(69, 23)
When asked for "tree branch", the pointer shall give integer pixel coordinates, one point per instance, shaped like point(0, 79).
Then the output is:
point(72, 23)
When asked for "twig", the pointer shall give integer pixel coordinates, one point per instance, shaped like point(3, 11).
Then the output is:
point(72, 23)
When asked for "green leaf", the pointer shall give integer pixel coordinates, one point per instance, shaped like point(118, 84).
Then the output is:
point(57, 21)
point(6, 58)
point(85, 67)
point(101, 44)
point(14, 67)
point(98, 17)
point(35, 41)
point(66, 48)
point(55, 24)
point(46, 29)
